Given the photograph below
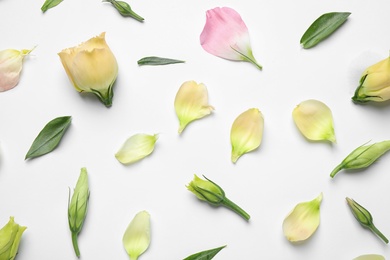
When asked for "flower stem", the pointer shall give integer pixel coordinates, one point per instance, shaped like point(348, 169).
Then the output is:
point(231, 205)
point(336, 170)
point(75, 244)
point(376, 231)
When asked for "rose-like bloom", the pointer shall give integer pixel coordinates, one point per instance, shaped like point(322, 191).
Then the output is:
point(77, 210)
point(191, 103)
point(137, 235)
point(314, 120)
point(10, 236)
point(369, 257)
point(136, 148)
point(92, 67)
point(11, 64)
point(374, 83)
point(225, 35)
point(246, 133)
point(303, 220)
point(212, 193)
point(364, 217)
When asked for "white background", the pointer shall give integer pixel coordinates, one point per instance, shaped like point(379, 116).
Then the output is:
point(267, 183)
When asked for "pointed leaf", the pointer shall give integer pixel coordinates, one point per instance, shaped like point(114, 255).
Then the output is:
point(49, 4)
point(49, 137)
point(321, 28)
point(153, 60)
point(205, 255)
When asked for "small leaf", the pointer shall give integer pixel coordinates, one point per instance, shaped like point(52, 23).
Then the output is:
point(205, 255)
point(49, 4)
point(321, 28)
point(153, 60)
point(49, 137)
point(124, 9)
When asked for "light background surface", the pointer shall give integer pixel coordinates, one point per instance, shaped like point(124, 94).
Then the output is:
point(267, 183)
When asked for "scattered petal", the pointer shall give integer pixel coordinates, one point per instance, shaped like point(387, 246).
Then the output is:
point(137, 236)
point(136, 148)
point(369, 257)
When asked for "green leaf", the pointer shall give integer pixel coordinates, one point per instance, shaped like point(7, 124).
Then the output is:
point(124, 9)
point(321, 28)
point(49, 137)
point(49, 4)
point(153, 60)
point(205, 255)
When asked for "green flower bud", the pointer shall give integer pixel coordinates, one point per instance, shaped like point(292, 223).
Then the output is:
point(210, 192)
point(77, 209)
point(364, 217)
point(10, 236)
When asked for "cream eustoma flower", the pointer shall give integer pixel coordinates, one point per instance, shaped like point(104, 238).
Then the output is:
point(191, 103)
point(246, 133)
point(136, 148)
point(374, 83)
point(92, 67)
point(303, 220)
point(137, 235)
point(314, 120)
point(11, 64)
point(369, 257)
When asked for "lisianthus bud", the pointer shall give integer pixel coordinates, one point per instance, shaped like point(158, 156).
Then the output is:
point(303, 220)
point(92, 67)
point(369, 257)
point(11, 64)
point(137, 236)
point(210, 192)
point(363, 216)
point(77, 209)
point(314, 120)
point(191, 103)
point(246, 133)
point(10, 236)
point(374, 83)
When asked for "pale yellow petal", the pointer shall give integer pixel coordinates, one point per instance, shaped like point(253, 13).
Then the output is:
point(314, 120)
point(246, 133)
point(137, 235)
point(369, 257)
point(191, 103)
point(136, 148)
point(303, 220)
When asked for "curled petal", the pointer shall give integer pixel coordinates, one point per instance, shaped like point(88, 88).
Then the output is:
point(136, 148)
point(246, 133)
point(191, 103)
point(137, 235)
point(314, 120)
point(225, 35)
point(303, 220)
point(11, 64)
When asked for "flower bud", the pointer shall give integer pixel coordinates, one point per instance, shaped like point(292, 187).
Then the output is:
point(11, 64)
point(210, 192)
point(191, 103)
point(137, 235)
point(374, 83)
point(314, 120)
point(363, 216)
point(136, 148)
point(246, 133)
point(92, 67)
point(10, 236)
point(77, 209)
point(303, 220)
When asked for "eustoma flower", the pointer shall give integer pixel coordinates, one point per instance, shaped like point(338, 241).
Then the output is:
point(303, 220)
point(191, 103)
point(314, 120)
point(225, 35)
point(92, 67)
point(374, 83)
point(246, 133)
point(212, 193)
point(137, 235)
point(11, 64)
point(10, 236)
